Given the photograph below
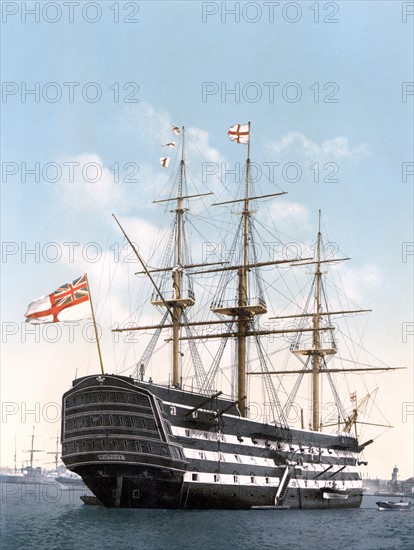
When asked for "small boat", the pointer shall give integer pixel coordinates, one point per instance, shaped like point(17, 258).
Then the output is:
point(270, 507)
point(333, 493)
point(391, 505)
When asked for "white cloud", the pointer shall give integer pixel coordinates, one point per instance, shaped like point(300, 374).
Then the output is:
point(333, 149)
point(88, 184)
point(199, 144)
point(356, 280)
point(156, 125)
point(293, 211)
point(155, 128)
point(145, 235)
point(149, 123)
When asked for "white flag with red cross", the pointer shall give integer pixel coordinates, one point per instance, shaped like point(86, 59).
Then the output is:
point(70, 302)
point(239, 133)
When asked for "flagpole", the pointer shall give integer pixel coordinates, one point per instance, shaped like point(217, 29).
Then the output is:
point(248, 143)
point(94, 326)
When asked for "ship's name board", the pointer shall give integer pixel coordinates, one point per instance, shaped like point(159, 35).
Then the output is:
point(111, 457)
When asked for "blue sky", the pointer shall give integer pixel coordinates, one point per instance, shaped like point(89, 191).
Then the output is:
point(364, 127)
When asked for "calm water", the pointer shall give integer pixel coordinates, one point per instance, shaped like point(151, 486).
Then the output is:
point(35, 517)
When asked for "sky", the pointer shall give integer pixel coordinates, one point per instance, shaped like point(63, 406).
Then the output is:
point(89, 94)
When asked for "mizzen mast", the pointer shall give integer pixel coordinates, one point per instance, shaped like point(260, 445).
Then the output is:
point(319, 348)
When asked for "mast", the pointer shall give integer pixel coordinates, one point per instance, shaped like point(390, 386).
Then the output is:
point(244, 317)
point(55, 453)
point(177, 309)
point(316, 355)
point(95, 327)
point(244, 307)
point(181, 297)
point(32, 450)
point(15, 455)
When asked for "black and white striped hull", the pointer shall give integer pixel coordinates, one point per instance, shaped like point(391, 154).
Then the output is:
point(146, 446)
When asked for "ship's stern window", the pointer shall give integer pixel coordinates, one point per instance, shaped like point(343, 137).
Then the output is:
point(145, 447)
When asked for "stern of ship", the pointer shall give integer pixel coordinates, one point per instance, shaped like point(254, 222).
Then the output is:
point(117, 438)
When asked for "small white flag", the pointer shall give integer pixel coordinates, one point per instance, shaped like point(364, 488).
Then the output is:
point(239, 133)
point(171, 144)
point(175, 130)
point(165, 161)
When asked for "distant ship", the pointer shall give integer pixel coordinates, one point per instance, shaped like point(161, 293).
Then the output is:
point(70, 479)
point(30, 474)
point(142, 444)
point(8, 477)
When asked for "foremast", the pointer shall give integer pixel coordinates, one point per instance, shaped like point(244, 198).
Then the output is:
point(177, 263)
point(179, 301)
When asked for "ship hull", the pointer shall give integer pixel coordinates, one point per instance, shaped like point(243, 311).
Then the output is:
point(139, 445)
point(158, 493)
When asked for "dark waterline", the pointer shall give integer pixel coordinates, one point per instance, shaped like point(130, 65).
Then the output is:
point(33, 518)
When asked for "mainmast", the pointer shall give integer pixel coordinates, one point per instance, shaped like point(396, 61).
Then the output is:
point(247, 307)
point(177, 308)
point(317, 356)
point(244, 315)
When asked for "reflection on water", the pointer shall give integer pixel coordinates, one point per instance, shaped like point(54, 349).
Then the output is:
point(46, 518)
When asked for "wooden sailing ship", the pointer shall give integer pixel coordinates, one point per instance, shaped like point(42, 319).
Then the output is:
point(138, 443)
